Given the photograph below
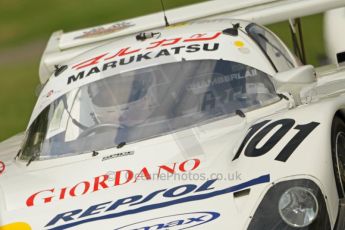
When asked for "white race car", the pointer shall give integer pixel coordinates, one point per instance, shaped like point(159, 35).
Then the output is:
point(206, 124)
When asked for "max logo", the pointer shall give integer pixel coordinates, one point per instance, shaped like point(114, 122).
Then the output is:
point(179, 221)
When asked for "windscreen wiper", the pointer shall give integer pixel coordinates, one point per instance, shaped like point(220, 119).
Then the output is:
point(77, 123)
point(34, 157)
point(275, 48)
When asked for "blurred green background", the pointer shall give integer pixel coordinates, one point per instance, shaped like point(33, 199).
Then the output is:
point(25, 27)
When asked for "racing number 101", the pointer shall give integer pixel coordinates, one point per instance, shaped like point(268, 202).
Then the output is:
point(285, 126)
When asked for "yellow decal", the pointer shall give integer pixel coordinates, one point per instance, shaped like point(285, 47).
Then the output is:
point(16, 226)
point(239, 44)
point(181, 24)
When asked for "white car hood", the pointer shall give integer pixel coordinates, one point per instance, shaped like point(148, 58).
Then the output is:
point(83, 192)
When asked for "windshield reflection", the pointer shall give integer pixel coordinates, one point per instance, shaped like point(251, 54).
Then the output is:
point(145, 103)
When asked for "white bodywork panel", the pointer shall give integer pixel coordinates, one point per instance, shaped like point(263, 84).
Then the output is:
point(64, 179)
point(203, 169)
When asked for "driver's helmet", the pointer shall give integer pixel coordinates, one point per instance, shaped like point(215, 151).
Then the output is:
point(122, 99)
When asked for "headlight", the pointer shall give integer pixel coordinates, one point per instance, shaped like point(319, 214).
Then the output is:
point(292, 205)
point(298, 207)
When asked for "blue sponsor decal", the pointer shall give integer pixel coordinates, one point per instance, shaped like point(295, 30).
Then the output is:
point(178, 222)
point(174, 196)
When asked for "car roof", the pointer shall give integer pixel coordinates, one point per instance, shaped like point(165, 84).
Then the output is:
point(185, 41)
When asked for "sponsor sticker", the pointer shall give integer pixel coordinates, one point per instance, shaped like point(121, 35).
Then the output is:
point(162, 198)
point(104, 182)
point(178, 221)
point(133, 59)
point(160, 44)
point(116, 155)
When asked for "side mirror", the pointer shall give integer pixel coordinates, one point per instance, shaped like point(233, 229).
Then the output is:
point(294, 80)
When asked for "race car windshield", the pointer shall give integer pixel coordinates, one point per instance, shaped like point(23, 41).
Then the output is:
point(145, 103)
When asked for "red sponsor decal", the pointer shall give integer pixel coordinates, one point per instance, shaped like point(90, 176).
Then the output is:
point(123, 52)
point(103, 182)
point(202, 37)
point(157, 44)
point(164, 42)
point(92, 61)
point(2, 167)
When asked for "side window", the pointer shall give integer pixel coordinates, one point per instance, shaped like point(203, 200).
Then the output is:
point(279, 55)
